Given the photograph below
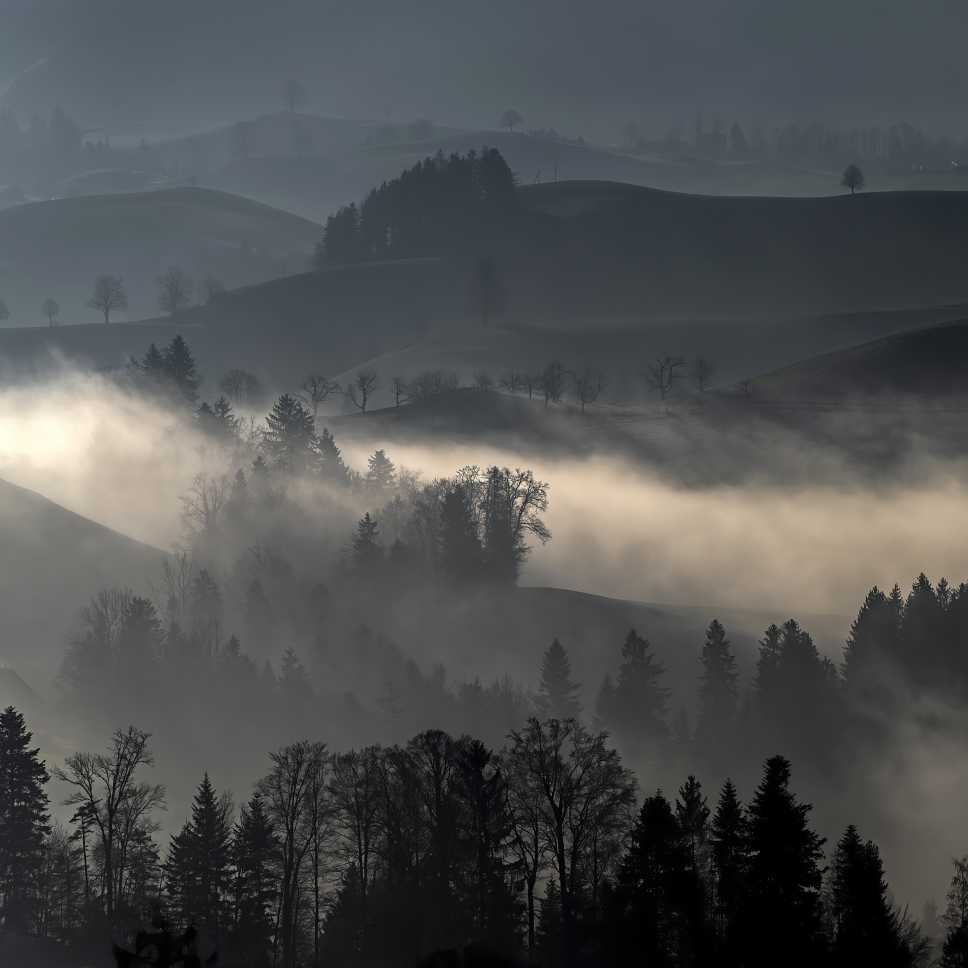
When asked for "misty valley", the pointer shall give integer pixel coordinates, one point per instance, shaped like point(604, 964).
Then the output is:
point(469, 499)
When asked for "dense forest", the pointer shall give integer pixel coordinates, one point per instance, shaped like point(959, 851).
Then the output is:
point(527, 824)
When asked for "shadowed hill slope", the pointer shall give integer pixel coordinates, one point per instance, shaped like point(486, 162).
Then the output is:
point(56, 248)
point(928, 365)
point(52, 561)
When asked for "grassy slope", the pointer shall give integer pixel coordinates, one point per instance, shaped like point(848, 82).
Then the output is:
point(52, 562)
point(927, 364)
point(56, 248)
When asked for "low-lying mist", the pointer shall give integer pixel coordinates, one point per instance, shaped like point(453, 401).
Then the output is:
point(620, 528)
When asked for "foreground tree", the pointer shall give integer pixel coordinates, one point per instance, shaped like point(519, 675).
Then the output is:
point(586, 796)
point(866, 927)
point(24, 820)
point(781, 912)
point(108, 296)
point(106, 790)
point(297, 775)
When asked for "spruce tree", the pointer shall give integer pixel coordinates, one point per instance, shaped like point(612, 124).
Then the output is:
point(380, 473)
point(866, 928)
point(557, 694)
point(955, 947)
point(640, 702)
point(728, 838)
point(289, 437)
point(24, 819)
point(781, 913)
point(254, 849)
point(180, 371)
point(367, 553)
point(692, 812)
point(331, 465)
point(716, 721)
point(198, 861)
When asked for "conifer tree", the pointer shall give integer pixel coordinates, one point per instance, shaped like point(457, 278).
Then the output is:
point(254, 848)
point(955, 949)
point(331, 465)
point(557, 693)
point(381, 472)
point(24, 819)
point(692, 813)
point(289, 437)
point(866, 929)
point(180, 371)
point(717, 693)
point(728, 837)
point(367, 553)
point(640, 702)
point(781, 914)
point(199, 858)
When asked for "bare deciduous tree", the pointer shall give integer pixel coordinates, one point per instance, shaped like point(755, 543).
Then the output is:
point(514, 382)
point(108, 296)
point(174, 290)
point(552, 382)
point(703, 371)
point(662, 375)
point(316, 389)
point(240, 386)
point(401, 391)
point(583, 792)
point(361, 389)
point(511, 118)
point(288, 791)
point(203, 504)
point(51, 309)
point(483, 381)
point(105, 788)
point(589, 385)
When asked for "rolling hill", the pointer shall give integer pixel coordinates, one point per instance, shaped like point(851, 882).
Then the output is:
point(56, 248)
point(52, 561)
point(923, 367)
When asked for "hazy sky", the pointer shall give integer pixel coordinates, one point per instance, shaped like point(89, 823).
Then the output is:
point(580, 65)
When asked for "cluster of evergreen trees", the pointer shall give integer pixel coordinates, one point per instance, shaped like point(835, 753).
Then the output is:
point(382, 855)
point(429, 208)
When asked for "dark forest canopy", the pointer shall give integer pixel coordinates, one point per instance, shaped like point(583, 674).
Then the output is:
point(437, 204)
point(383, 855)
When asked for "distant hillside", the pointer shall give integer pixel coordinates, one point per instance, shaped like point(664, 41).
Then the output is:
point(51, 562)
point(56, 248)
point(925, 365)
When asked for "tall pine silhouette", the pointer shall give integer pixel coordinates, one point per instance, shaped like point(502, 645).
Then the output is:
point(557, 693)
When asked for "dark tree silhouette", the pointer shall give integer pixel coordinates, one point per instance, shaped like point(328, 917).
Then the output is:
point(557, 696)
point(109, 296)
point(718, 691)
point(782, 904)
point(174, 290)
point(662, 375)
point(51, 309)
point(180, 370)
point(289, 437)
point(360, 390)
point(316, 389)
point(24, 820)
point(511, 118)
point(637, 707)
point(853, 179)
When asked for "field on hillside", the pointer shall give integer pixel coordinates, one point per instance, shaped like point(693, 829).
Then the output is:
point(56, 248)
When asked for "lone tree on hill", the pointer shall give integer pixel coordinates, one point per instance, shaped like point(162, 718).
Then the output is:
point(361, 389)
point(662, 375)
point(853, 179)
point(510, 118)
point(174, 290)
point(108, 296)
point(51, 309)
